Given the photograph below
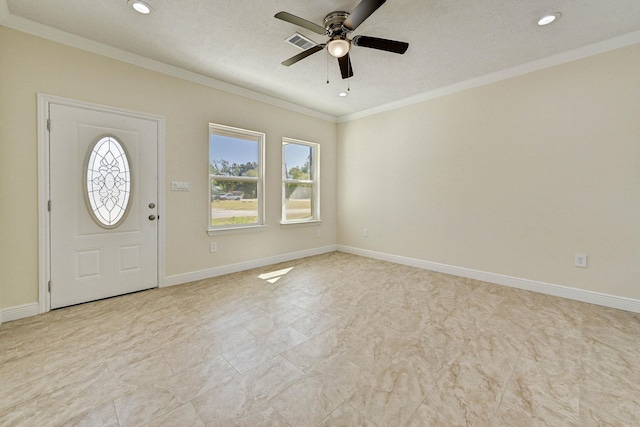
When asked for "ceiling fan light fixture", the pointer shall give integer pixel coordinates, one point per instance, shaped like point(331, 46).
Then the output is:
point(338, 47)
point(548, 18)
point(140, 7)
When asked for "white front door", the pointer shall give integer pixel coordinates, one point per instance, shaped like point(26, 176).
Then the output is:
point(103, 191)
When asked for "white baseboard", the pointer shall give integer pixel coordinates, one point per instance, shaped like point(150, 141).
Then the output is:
point(628, 304)
point(621, 303)
point(19, 312)
point(179, 279)
point(32, 309)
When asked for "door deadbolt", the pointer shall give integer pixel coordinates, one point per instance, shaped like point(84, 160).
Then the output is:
point(152, 205)
point(152, 217)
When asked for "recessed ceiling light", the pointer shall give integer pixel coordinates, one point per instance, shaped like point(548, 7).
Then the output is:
point(549, 18)
point(140, 6)
point(342, 94)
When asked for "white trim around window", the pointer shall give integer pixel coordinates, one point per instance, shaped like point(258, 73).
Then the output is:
point(236, 179)
point(300, 182)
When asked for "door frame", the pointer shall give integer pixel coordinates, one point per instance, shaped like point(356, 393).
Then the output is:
point(44, 226)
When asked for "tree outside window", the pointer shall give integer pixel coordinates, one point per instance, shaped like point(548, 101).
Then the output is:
point(235, 177)
point(300, 187)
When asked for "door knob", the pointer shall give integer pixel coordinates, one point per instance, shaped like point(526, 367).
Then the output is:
point(152, 205)
point(152, 217)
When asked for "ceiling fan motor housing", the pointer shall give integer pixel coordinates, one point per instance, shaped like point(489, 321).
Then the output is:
point(333, 24)
point(337, 26)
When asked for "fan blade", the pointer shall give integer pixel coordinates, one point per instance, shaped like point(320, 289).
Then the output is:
point(303, 55)
point(362, 12)
point(345, 66)
point(380, 44)
point(295, 20)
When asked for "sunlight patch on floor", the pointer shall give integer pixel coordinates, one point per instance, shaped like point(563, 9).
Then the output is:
point(274, 276)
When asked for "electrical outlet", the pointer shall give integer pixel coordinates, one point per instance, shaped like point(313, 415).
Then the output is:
point(213, 247)
point(317, 233)
point(580, 260)
point(365, 232)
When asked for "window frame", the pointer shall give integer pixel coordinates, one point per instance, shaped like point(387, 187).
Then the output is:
point(314, 182)
point(250, 135)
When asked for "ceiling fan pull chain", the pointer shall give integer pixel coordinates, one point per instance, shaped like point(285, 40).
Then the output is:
point(337, 26)
point(327, 67)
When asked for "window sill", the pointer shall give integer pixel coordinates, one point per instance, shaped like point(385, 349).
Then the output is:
point(294, 223)
point(231, 230)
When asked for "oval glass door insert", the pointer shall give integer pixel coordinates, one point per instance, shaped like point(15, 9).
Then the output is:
point(108, 182)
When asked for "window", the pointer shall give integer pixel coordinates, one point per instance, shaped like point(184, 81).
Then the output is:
point(300, 181)
point(107, 183)
point(235, 177)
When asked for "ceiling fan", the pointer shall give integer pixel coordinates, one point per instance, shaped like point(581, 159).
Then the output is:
point(337, 26)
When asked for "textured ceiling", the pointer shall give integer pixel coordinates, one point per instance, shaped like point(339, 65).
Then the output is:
point(241, 43)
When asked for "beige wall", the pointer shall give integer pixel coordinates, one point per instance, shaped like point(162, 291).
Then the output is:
point(510, 178)
point(29, 65)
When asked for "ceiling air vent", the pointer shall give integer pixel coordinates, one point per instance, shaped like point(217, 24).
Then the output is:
point(300, 41)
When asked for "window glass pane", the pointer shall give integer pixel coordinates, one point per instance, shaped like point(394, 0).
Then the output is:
point(235, 177)
point(234, 203)
point(300, 186)
point(298, 202)
point(231, 156)
point(297, 161)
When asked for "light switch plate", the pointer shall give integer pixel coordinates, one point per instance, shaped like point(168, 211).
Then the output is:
point(180, 186)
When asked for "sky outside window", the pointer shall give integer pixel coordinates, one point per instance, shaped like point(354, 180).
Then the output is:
point(233, 150)
point(296, 155)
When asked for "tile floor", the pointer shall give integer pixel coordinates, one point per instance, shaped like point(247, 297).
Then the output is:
point(338, 340)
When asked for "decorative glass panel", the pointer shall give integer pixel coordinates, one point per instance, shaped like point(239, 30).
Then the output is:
point(108, 182)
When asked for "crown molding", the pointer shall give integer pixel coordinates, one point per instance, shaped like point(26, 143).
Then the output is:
point(40, 30)
point(540, 64)
point(30, 27)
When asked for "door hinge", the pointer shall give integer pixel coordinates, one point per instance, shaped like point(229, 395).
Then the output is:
point(49, 205)
point(49, 124)
point(49, 286)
